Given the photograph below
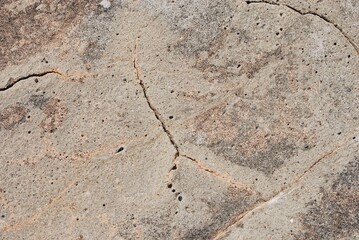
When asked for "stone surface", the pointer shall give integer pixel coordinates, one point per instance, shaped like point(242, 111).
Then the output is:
point(156, 119)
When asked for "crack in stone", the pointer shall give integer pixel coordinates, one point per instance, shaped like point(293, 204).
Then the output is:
point(199, 165)
point(155, 112)
point(150, 105)
point(351, 41)
point(222, 232)
point(13, 81)
point(224, 177)
point(260, 204)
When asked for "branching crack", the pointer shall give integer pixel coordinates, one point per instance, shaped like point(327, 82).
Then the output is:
point(343, 33)
point(201, 166)
point(13, 81)
point(150, 105)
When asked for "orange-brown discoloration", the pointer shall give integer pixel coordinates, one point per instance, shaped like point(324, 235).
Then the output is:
point(55, 112)
point(12, 115)
point(240, 135)
point(26, 28)
point(216, 126)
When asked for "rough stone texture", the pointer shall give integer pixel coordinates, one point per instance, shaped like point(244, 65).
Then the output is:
point(156, 119)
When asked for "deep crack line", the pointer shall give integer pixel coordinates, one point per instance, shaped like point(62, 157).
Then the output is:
point(13, 81)
point(351, 41)
point(150, 105)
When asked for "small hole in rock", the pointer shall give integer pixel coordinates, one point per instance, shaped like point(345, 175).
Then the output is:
point(339, 133)
point(174, 167)
point(173, 190)
point(179, 198)
point(169, 185)
point(170, 117)
point(120, 149)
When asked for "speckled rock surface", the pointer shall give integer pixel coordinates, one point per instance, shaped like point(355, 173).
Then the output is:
point(156, 119)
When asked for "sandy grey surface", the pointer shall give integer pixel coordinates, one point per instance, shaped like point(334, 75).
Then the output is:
point(159, 119)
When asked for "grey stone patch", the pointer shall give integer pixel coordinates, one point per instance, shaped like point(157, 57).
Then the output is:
point(242, 138)
point(336, 214)
point(201, 23)
point(267, 161)
point(92, 52)
point(158, 227)
point(38, 101)
point(93, 36)
point(223, 212)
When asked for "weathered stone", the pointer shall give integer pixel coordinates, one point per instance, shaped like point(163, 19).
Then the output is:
point(180, 119)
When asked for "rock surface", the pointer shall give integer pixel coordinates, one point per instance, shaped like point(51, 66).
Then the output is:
point(158, 119)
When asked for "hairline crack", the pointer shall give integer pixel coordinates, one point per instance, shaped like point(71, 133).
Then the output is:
point(345, 35)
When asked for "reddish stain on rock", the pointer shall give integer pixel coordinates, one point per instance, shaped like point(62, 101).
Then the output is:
point(55, 112)
point(236, 133)
point(26, 26)
point(12, 115)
